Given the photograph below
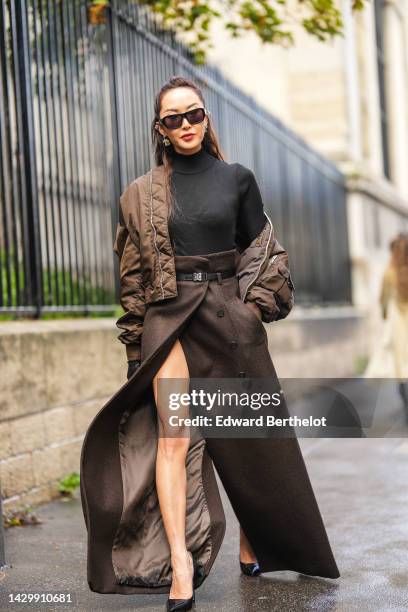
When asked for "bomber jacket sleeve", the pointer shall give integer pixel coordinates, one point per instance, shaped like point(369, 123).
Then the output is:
point(132, 297)
point(273, 290)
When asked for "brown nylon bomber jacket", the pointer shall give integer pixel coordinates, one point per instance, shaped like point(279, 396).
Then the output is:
point(147, 265)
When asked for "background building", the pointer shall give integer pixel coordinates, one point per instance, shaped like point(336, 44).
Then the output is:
point(349, 99)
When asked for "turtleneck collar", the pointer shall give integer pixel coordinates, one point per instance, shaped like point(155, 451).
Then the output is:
point(192, 163)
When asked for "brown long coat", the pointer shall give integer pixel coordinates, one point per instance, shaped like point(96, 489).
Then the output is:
point(266, 480)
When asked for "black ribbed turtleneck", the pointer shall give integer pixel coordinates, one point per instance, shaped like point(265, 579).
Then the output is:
point(218, 205)
point(193, 162)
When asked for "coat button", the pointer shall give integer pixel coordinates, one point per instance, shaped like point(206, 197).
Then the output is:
point(233, 345)
point(220, 312)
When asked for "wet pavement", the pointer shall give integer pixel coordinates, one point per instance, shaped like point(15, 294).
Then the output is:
point(362, 489)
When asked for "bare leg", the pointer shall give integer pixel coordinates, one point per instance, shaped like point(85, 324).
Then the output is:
point(171, 474)
point(246, 554)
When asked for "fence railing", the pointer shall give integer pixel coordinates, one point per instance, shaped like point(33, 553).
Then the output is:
point(75, 114)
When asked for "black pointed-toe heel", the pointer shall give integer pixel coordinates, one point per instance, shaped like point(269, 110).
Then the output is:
point(250, 569)
point(177, 605)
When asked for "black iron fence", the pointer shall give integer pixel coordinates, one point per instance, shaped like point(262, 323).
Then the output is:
point(75, 112)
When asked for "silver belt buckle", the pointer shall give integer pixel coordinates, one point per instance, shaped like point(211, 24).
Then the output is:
point(199, 276)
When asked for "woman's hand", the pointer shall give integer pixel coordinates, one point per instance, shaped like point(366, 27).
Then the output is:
point(133, 364)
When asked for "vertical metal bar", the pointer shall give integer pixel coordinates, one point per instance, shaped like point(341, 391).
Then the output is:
point(145, 97)
point(80, 153)
point(91, 207)
point(57, 262)
point(72, 161)
point(114, 89)
point(31, 224)
point(64, 145)
point(133, 107)
point(65, 271)
point(42, 139)
point(312, 221)
point(46, 157)
point(118, 84)
point(138, 54)
point(92, 94)
point(102, 151)
point(124, 54)
point(5, 164)
point(16, 169)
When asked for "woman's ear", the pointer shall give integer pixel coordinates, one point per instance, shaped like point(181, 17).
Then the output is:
point(159, 128)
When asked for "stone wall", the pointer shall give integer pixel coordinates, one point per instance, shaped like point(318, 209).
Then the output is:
point(55, 376)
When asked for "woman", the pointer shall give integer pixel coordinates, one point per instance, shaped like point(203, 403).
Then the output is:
point(200, 270)
point(394, 305)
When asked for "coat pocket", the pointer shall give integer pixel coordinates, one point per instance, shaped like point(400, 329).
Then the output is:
point(249, 327)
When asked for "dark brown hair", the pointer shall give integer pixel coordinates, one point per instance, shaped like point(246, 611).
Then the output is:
point(164, 154)
point(399, 260)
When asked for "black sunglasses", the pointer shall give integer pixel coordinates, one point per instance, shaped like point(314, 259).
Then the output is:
point(172, 122)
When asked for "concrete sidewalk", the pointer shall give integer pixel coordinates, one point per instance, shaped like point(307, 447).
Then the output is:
point(361, 487)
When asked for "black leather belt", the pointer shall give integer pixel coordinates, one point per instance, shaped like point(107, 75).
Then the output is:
point(203, 276)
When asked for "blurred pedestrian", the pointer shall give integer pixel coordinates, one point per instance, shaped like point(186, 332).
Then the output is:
point(394, 305)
